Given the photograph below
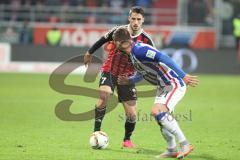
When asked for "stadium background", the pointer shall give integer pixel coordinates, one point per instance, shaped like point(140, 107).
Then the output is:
point(197, 34)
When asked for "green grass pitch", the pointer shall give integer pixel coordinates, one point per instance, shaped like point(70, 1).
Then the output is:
point(29, 129)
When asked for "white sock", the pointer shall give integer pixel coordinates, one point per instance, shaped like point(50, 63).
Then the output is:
point(169, 123)
point(169, 137)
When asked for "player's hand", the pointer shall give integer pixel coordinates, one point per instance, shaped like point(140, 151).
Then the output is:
point(123, 80)
point(191, 80)
point(87, 58)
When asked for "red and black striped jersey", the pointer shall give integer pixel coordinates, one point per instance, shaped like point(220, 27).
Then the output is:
point(119, 63)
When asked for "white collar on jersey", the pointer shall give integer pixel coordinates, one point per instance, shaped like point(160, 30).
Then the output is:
point(139, 32)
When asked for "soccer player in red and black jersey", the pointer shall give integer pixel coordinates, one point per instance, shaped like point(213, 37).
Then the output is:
point(115, 65)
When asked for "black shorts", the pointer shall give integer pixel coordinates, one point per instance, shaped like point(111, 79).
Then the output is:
point(125, 92)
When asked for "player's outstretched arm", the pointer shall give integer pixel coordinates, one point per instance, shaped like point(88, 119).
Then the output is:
point(191, 80)
point(94, 47)
point(170, 63)
point(104, 39)
point(149, 54)
point(188, 79)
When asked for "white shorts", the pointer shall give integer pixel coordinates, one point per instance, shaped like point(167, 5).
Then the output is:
point(170, 96)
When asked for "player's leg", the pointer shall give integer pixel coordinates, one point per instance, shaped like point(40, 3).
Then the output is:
point(127, 95)
point(100, 108)
point(106, 87)
point(130, 111)
point(160, 111)
point(171, 151)
point(164, 105)
point(168, 123)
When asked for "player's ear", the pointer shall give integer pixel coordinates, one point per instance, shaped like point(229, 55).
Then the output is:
point(129, 18)
point(143, 20)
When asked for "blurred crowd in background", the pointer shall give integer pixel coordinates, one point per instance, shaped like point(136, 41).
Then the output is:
point(199, 11)
point(158, 12)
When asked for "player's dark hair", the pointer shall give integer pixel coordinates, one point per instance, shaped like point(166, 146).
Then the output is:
point(121, 34)
point(136, 9)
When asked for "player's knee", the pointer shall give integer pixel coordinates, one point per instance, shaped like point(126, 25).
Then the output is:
point(155, 111)
point(158, 108)
point(103, 99)
point(104, 96)
point(130, 103)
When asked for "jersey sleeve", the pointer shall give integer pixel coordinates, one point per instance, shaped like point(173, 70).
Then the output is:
point(160, 57)
point(109, 34)
point(97, 45)
point(106, 38)
point(146, 53)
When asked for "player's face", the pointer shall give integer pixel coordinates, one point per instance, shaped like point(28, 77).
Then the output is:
point(136, 20)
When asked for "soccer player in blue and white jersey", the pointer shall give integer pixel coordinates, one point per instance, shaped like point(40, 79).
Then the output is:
point(171, 81)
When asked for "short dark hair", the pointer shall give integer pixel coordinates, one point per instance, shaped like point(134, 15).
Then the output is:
point(136, 9)
point(121, 34)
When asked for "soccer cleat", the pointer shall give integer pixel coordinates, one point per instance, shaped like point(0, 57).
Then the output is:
point(169, 153)
point(128, 144)
point(184, 151)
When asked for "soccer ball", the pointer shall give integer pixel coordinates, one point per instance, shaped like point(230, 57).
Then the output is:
point(99, 140)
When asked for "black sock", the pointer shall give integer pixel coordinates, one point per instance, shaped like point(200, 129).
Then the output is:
point(99, 114)
point(129, 127)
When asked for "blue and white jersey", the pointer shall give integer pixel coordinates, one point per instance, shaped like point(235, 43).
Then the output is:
point(155, 67)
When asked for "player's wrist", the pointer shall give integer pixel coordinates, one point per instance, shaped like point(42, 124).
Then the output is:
point(88, 53)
